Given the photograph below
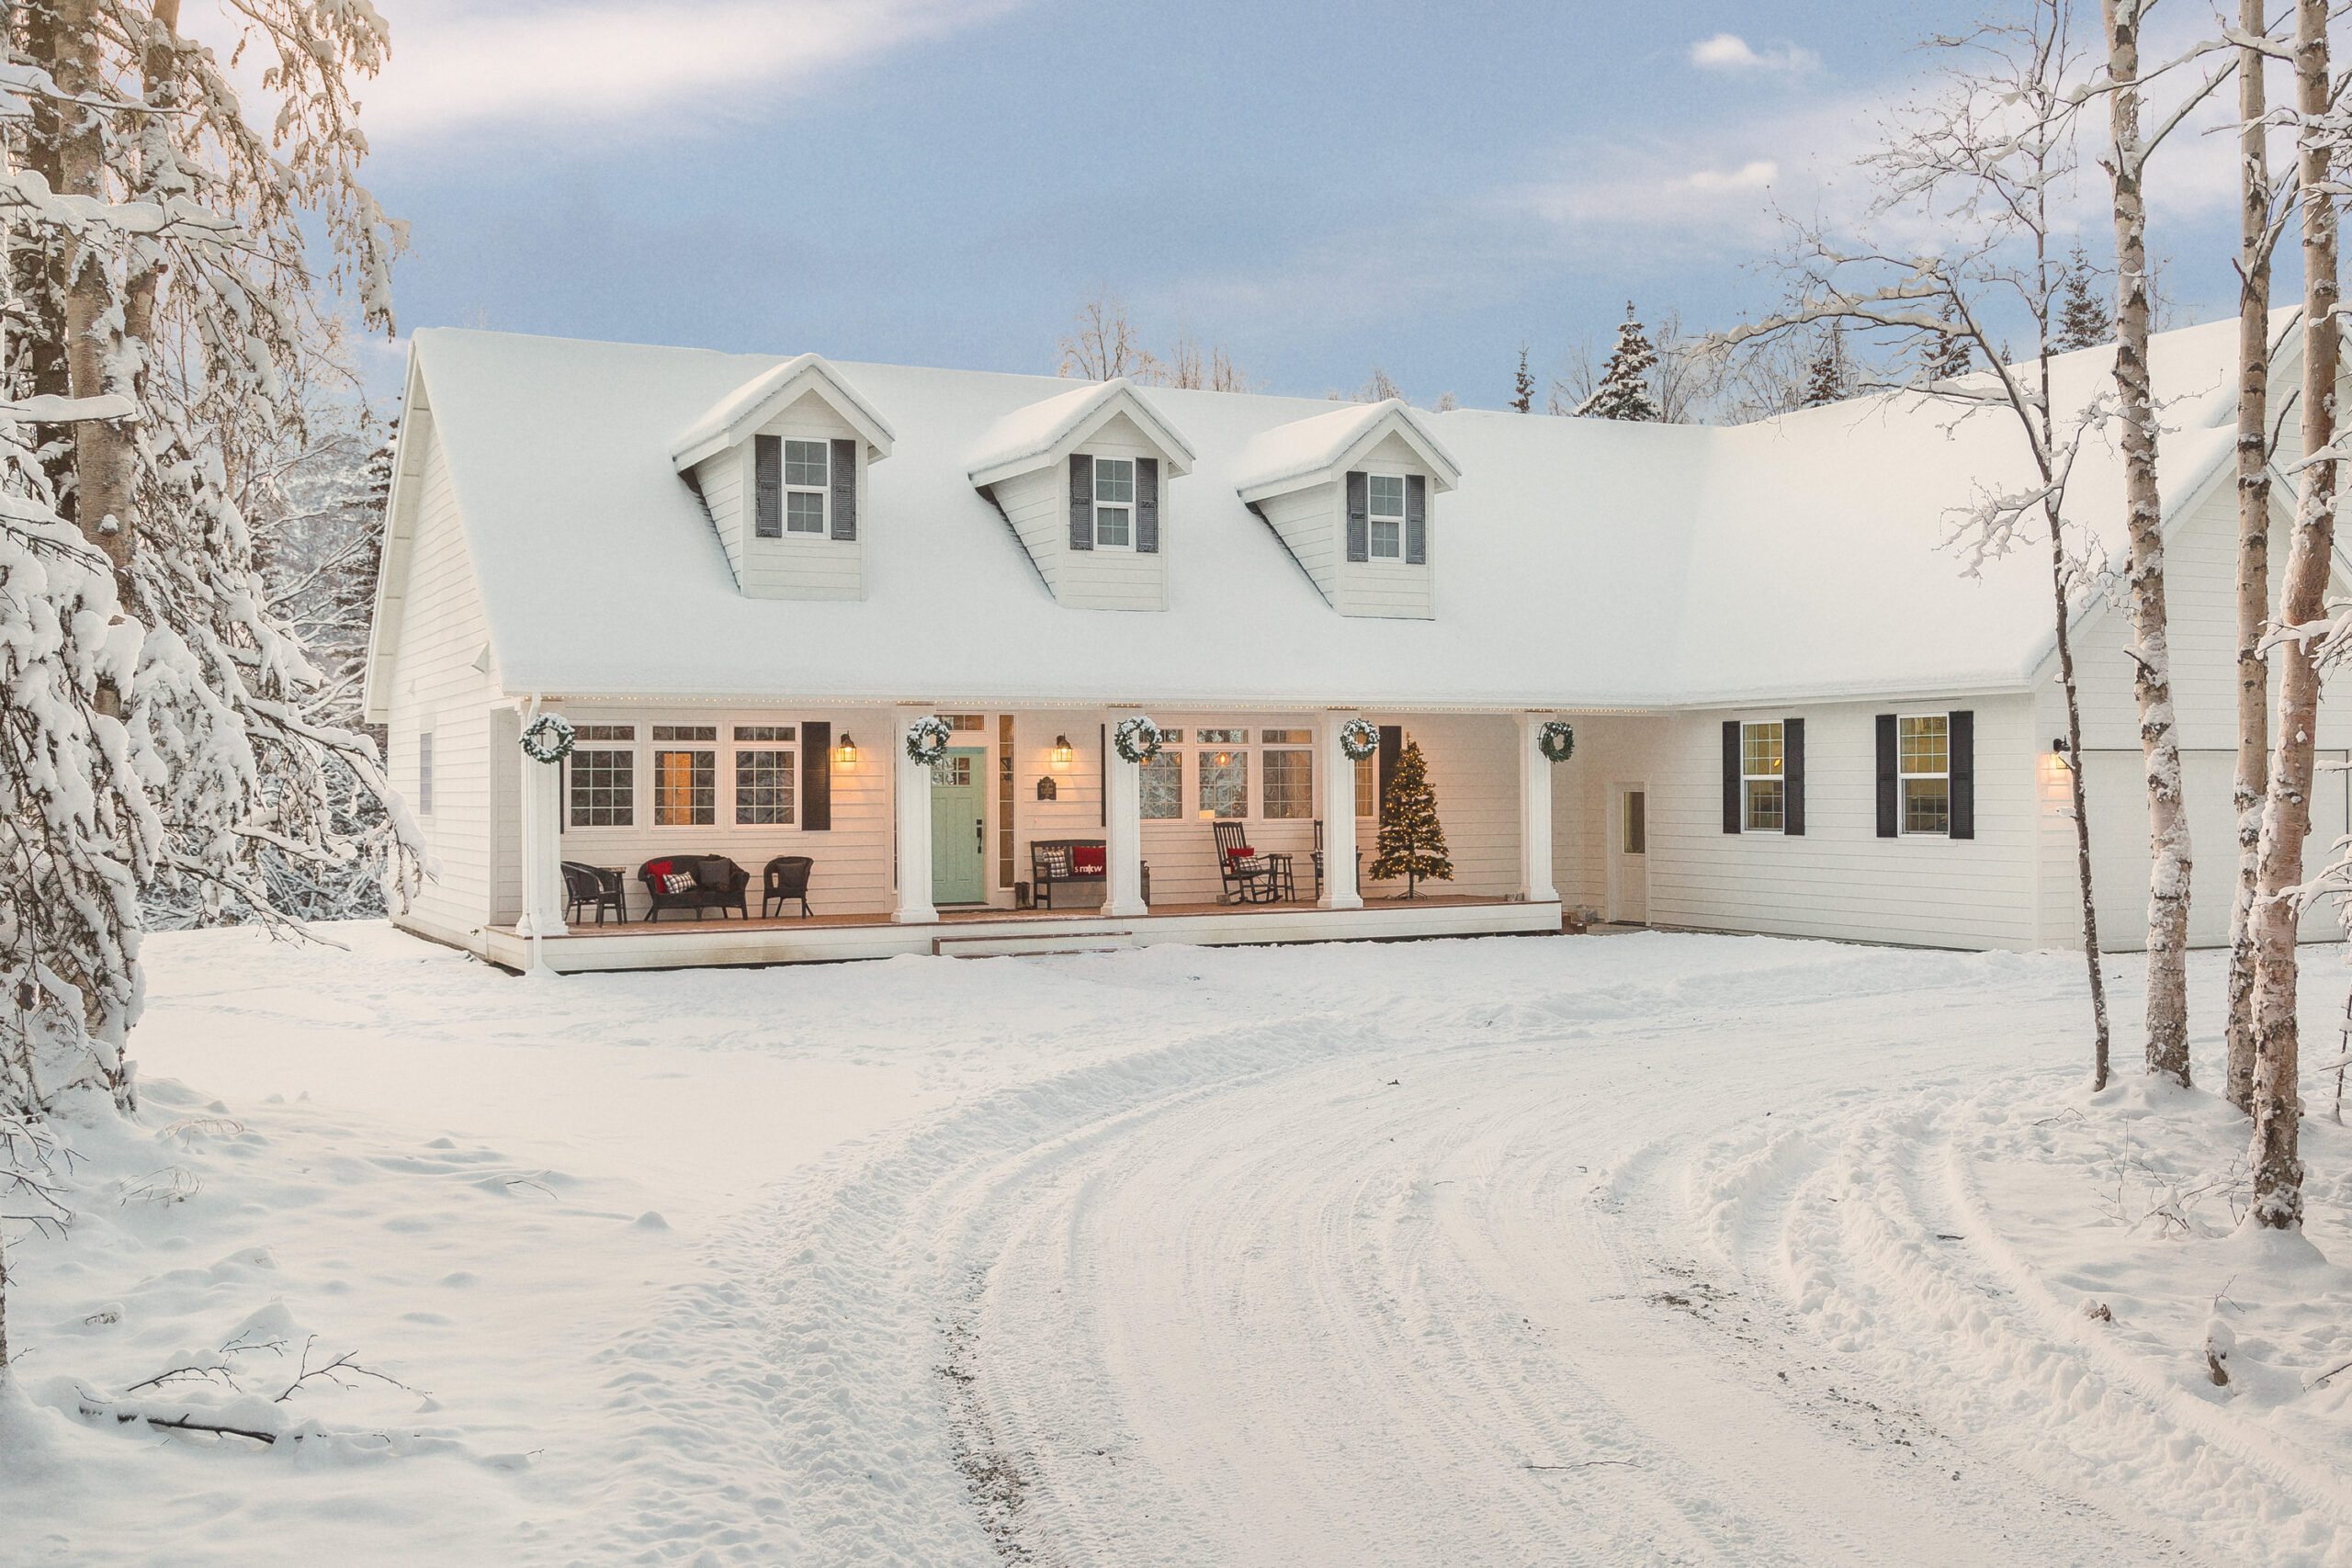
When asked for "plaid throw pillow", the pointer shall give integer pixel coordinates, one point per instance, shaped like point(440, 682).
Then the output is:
point(1055, 862)
point(677, 881)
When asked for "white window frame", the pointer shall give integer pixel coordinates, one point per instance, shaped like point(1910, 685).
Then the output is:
point(1776, 775)
point(633, 746)
point(1375, 518)
point(824, 507)
point(1127, 509)
point(1904, 775)
point(736, 744)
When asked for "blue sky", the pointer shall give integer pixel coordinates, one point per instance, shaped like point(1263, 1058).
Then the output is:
point(1322, 187)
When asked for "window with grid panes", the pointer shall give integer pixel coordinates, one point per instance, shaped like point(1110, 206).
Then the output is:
point(1922, 760)
point(685, 788)
point(1384, 494)
point(1224, 773)
point(804, 487)
point(1287, 790)
point(762, 788)
point(1163, 786)
point(603, 782)
point(1115, 500)
point(1762, 757)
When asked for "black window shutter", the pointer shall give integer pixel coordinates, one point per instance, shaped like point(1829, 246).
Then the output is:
point(1963, 775)
point(1731, 775)
point(1416, 520)
point(1103, 770)
point(1392, 751)
point(1081, 502)
point(817, 777)
point(845, 490)
point(1890, 821)
point(1359, 518)
point(767, 473)
point(1147, 507)
point(1792, 776)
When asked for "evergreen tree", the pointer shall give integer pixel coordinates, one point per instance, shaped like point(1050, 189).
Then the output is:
point(1624, 389)
point(1829, 375)
point(1525, 402)
point(1952, 356)
point(2084, 320)
point(1412, 840)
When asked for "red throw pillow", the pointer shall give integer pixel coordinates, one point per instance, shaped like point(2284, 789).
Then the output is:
point(1087, 861)
point(656, 870)
point(1245, 852)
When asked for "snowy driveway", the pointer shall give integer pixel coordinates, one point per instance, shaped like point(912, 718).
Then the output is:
point(1645, 1249)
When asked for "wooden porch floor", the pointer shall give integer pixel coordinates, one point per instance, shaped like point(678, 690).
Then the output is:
point(975, 914)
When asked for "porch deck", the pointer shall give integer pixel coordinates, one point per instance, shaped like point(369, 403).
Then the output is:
point(976, 932)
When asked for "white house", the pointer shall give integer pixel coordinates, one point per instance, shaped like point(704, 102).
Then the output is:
point(742, 579)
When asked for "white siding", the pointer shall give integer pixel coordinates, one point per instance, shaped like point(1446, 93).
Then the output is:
point(1308, 521)
point(808, 566)
point(726, 483)
point(436, 686)
point(1610, 752)
point(1391, 588)
point(1121, 578)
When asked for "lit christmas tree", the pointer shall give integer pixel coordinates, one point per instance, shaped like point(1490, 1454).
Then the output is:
point(1412, 840)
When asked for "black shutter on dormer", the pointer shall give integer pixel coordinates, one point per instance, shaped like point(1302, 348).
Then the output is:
point(1793, 777)
point(1890, 812)
point(767, 478)
point(1081, 502)
point(816, 776)
point(845, 490)
point(1147, 507)
point(1359, 518)
point(1416, 520)
point(1963, 733)
point(1731, 776)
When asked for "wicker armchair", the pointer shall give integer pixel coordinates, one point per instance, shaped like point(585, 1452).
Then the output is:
point(786, 881)
point(593, 886)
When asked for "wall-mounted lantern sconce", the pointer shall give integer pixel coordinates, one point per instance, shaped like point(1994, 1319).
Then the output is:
point(846, 752)
point(1062, 750)
point(2059, 746)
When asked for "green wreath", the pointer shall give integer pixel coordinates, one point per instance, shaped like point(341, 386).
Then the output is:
point(1139, 739)
point(927, 739)
point(1359, 738)
point(1556, 740)
point(548, 739)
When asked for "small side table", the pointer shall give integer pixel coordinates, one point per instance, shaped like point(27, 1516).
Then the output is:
point(1283, 881)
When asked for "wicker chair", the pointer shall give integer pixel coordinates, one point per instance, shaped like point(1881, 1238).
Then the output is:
point(1247, 876)
point(719, 884)
point(591, 886)
point(785, 880)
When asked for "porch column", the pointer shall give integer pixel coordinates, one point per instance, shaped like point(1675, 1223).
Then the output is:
point(1122, 825)
point(1534, 813)
point(910, 794)
point(542, 849)
point(1339, 772)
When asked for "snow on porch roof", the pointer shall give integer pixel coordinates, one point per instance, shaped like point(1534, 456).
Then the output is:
point(1579, 563)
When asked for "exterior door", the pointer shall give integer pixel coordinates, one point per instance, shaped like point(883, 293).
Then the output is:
point(958, 826)
point(1629, 833)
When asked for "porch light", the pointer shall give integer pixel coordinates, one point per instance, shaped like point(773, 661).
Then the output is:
point(846, 752)
point(1062, 750)
point(2059, 746)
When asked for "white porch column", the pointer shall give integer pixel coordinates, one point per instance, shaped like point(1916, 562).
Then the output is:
point(1123, 825)
point(910, 796)
point(542, 849)
point(1534, 813)
point(1339, 772)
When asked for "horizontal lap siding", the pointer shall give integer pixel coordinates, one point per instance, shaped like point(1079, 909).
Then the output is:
point(854, 868)
point(724, 483)
point(1839, 879)
point(1038, 505)
point(436, 686)
point(1308, 522)
point(1473, 768)
point(1391, 589)
point(1608, 752)
point(807, 566)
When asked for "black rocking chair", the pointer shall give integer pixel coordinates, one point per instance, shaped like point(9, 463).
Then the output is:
point(1247, 876)
point(785, 880)
point(589, 886)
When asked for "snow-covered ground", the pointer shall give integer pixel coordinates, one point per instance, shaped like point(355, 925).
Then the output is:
point(1634, 1249)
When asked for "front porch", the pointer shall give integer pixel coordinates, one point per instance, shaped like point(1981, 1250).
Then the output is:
point(683, 943)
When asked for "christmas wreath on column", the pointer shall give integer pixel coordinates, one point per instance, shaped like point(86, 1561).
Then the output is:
point(1138, 740)
point(1359, 738)
point(548, 739)
point(1556, 740)
point(927, 739)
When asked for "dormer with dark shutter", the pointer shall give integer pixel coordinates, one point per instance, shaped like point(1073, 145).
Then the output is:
point(1354, 495)
point(1083, 479)
point(781, 465)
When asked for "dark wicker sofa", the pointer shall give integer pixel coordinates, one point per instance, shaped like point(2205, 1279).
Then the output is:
point(719, 884)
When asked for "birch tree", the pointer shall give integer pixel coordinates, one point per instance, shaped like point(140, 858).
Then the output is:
point(2276, 1156)
point(1982, 160)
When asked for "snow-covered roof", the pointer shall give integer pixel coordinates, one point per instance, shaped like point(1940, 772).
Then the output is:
point(1031, 437)
point(1305, 450)
point(1580, 562)
point(735, 416)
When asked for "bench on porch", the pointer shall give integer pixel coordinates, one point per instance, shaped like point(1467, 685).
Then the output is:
point(715, 883)
point(1058, 863)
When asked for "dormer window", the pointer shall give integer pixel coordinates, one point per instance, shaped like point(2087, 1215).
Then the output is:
point(1388, 503)
point(804, 487)
point(1115, 500)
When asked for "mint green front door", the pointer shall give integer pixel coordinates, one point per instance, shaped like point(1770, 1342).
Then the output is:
point(958, 823)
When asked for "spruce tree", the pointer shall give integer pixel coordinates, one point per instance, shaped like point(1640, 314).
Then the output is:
point(1624, 389)
point(1952, 356)
point(1525, 400)
point(1412, 840)
point(2084, 320)
point(1828, 375)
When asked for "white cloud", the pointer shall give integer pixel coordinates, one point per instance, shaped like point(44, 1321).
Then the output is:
point(1729, 52)
point(1756, 175)
point(458, 64)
